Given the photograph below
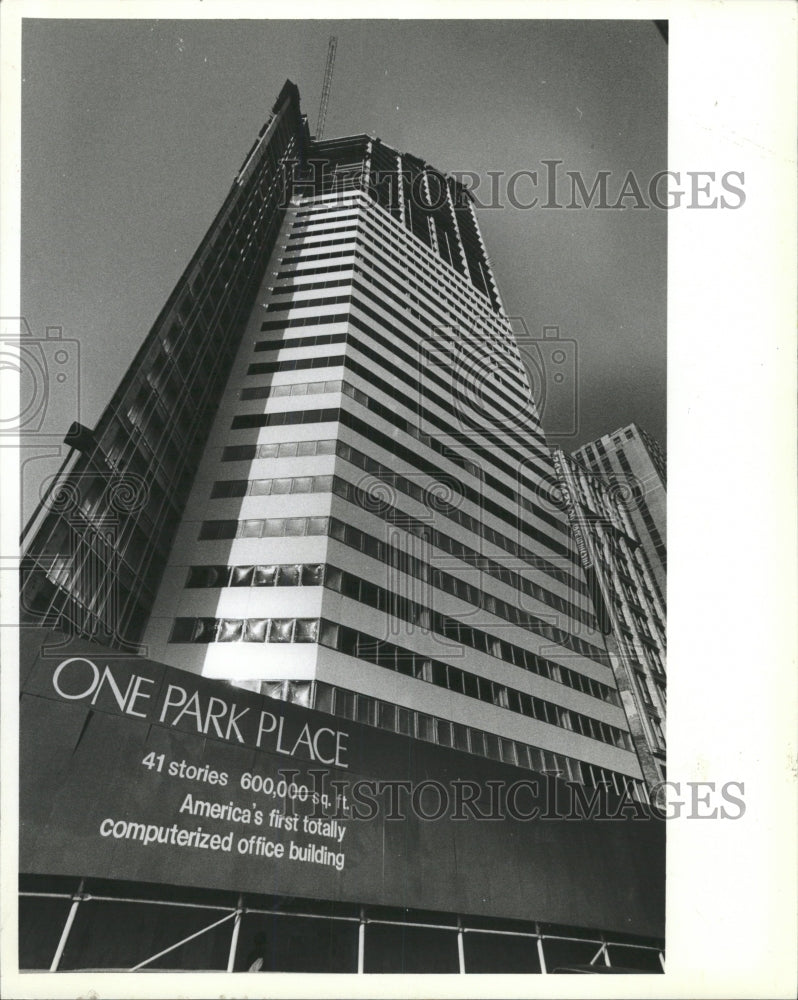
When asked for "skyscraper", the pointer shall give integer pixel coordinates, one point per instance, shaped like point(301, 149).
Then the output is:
point(636, 462)
point(317, 479)
point(323, 482)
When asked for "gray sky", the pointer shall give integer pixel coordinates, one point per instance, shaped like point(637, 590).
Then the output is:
point(134, 130)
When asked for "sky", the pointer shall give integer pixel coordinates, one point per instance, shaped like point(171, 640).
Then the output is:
point(132, 133)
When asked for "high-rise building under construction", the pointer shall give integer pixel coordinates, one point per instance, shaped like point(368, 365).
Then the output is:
point(323, 476)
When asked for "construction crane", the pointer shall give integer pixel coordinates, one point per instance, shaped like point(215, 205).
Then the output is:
point(325, 87)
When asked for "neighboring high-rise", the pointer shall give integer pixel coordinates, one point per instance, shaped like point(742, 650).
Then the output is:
point(318, 480)
point(626, 598)
point(636, 463)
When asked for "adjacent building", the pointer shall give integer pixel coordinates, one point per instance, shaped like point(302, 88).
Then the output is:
point(627, 600)
point(635, 462)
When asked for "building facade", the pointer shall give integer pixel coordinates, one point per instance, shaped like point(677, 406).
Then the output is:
point(636, 464)
point(627, 600)
point(310, 481)
point(321, 493)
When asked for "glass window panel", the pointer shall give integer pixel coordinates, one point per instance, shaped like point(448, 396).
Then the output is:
point(492, 746)
point(302, 484)
point(365, 710)
point(242, 576)
point(460, 736)
point(313, 575)
point(280, 486)
point(386, 717)
point(478, 742)
point(324, 697)
point(260, 487)
point(299, 693)
point(404, 720)
point(268, 451)
point(329, 634)
point(425, 727)
point(279, 391)
point(274, 527)
point(273, 689)
point(230, 630)
point(325, 447)
point(296, 525)
point(317, 525)
point(281, 629)
point(287, 449)
point(306, 448)
point(345, 704)
point(322, 484)
point(264, 576)
point(444, 729)
point(288, 576)
point(507, 748)
point(307, 630)
point(250, 528)
point(204, 630)
point(255, 629)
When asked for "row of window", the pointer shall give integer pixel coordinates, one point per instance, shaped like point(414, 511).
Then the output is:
point(347, 230)
point(319, 574)
point(207, 630)
point(285, 449)
point(279, 575)
point(291, 449)
point(375, 712)
point(414, 490)
point(330, 269)
point(317, 340)
point(327, 300)
point(393, 515)
point(293, 389)
point(427, 619)
point(307, 286)
point(428, 315)
point(305, 388)
point(224, 488)
point(297, 364)
point(327, 255)
point(444, 675)
point(459, 297)
point(362, 542)
point(285, 418)
point(204, 630)
point(316, 220)
point(271, 527)
point(389, 414)
point(283, 324)
point(516, 424)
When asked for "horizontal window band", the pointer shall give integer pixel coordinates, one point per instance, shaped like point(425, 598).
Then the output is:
point(371, 711)
point(382, 653)
point(284, 324)
point(208, 630)
point(284, 418)
point(297, 417)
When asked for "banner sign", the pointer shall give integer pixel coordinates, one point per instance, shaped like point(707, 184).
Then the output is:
point(133, 770)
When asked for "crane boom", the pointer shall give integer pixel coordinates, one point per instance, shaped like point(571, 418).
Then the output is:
point(325, 88)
